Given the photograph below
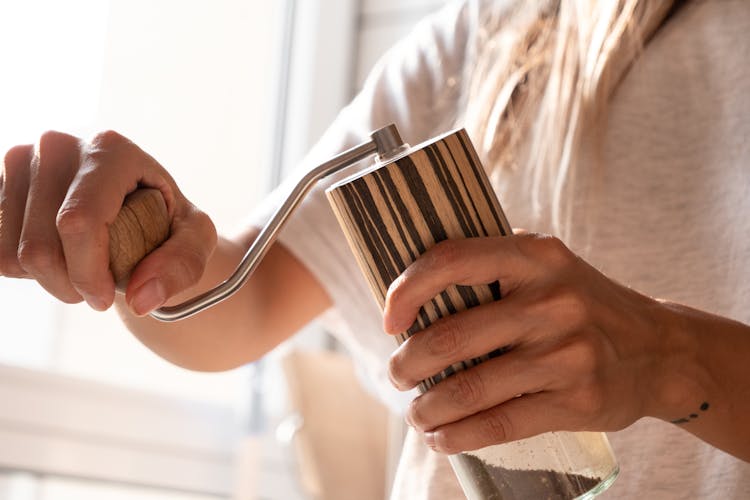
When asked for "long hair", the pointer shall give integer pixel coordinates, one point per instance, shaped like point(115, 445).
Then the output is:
point(541, 77)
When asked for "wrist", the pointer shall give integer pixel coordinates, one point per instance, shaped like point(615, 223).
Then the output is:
point(681, 384)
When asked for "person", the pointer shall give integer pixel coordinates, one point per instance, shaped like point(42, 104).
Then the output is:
point(619, 126)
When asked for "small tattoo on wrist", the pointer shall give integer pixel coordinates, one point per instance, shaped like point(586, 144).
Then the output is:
point(692, 416)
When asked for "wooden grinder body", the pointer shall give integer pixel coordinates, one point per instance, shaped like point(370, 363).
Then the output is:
point(394, 212)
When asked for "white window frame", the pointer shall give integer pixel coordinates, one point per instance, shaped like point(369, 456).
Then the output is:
point(52, 424)
point(59, 425)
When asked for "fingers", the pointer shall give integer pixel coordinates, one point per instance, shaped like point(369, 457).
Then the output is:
point(518, 418)
point(111, 167)
point(57, 200)
point(176, 265)
point(478, 389)
point(465, 335)
point(14, 187)
point(84, 244)
point(560, 317)
point(563, 386)
point(472, 261)
point(40, 251)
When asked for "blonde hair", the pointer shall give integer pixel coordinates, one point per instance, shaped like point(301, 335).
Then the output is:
point(542, 75)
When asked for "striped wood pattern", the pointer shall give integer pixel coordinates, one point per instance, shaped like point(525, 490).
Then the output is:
point(393, 213)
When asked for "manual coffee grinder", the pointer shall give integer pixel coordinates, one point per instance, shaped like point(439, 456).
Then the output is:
point(410, 199)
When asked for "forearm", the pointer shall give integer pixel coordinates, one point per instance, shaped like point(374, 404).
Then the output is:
point(706, 378)
point(240, 329)
point(60, 238)
point(207, 341)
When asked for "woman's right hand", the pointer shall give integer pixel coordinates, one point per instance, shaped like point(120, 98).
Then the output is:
point(57, 200)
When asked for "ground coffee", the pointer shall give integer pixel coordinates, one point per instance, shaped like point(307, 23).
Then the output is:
point(491, 482)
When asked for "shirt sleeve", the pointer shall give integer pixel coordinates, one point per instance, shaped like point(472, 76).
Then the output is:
point(416, 86)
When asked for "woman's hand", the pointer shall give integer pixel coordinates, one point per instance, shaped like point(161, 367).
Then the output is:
point(57, 199)
point(586, 353)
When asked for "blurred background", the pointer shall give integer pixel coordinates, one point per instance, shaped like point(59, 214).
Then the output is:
point(208, 88)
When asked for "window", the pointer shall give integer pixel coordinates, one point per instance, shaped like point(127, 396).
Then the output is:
point(179, 78)
point(193, 83)
point(24, 486)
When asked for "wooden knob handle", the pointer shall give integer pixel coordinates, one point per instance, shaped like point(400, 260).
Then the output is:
point(141, 226)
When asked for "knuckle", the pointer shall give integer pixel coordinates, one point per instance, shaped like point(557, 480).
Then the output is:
point(207, 227)
point(589, 401)
point(466, 389)
point(528, 243)
point(450, 440)
point(9, 265)
point(583, 355)
point(189, 266)
point(569, 307)
point(546, 248)
point(495, 426)
point(445, 338)
point(108, 139)
point(52, 137)
point(596, 398)
point(16, 158)
point(54, 141)
point(444, 253)
point(73, 220)
point(54, 152)
point(37, 256)
point(417, 416)
point(554, 249)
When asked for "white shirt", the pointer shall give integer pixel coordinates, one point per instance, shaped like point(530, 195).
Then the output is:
point(668, 214)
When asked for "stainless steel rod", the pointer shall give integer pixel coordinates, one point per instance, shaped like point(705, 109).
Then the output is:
point(268, 234)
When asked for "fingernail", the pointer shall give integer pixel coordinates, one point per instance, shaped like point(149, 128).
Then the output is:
point(429, 440)
point(388, 325)
point(94, 302)
point(148, 297)
point(393, 327)
point(408, 420)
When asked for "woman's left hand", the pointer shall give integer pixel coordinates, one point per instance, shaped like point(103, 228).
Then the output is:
point(586, 352)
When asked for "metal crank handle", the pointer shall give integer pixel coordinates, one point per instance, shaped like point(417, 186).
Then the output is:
point(143, 224)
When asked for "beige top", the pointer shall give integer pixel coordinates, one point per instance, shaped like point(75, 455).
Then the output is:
point(668, 215)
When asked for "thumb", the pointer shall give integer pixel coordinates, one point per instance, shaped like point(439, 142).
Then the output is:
point(175, 266)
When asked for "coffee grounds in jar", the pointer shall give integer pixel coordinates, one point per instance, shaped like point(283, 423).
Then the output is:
point(491, 482)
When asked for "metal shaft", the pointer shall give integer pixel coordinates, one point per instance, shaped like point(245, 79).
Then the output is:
point(262, 243)
point(385, 141)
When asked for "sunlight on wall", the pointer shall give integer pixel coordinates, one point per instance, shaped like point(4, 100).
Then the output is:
point(52, 68)
point(52, 63)
point(191, 82)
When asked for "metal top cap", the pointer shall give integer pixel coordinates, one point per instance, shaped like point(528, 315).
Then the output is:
point(388, 141)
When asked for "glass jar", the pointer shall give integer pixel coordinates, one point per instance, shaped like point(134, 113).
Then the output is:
point(554, 466)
